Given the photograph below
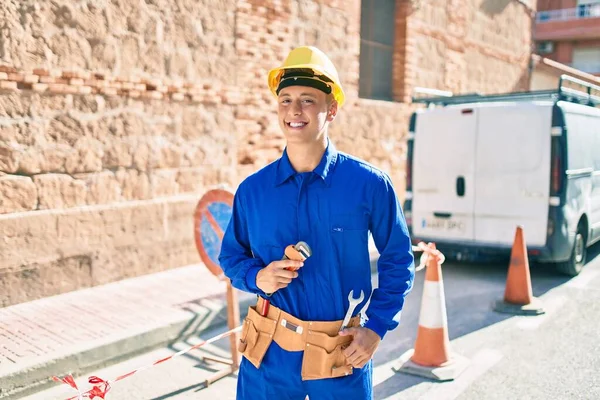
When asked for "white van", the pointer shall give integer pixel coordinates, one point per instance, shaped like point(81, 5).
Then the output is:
point(478, 166)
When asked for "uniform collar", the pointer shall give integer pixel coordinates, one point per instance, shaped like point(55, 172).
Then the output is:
point(324, 169)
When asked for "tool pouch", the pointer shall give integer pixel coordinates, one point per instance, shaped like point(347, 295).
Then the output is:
point(256, 337)
point(323, 356)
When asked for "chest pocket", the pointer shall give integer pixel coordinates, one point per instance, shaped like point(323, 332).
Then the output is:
point(349, 236)
point(341, 223)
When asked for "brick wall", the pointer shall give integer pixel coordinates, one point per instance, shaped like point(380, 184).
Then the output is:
point(115, 117)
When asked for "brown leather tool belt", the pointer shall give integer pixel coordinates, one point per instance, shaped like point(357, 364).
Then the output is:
point(319, 340)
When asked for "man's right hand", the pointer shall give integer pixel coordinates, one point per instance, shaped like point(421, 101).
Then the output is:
point(275, 276)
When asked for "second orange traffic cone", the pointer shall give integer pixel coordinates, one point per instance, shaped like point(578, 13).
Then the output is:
point(518, 297)
point(431, 356)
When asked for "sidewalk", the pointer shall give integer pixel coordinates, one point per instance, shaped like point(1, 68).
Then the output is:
point(78, 331)
point(90, 328)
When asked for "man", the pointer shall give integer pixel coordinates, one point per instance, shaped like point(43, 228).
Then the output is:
point(331, 201)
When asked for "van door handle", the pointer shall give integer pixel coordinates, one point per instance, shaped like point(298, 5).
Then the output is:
point(442, 215)
point(460, 186)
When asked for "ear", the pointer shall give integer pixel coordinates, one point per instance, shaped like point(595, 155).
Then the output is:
point(333, 109)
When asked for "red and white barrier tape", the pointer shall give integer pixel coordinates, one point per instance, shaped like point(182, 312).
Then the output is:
point(427, 251)
point(101, 387)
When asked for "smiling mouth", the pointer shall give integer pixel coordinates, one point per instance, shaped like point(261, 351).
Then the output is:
point(296, 124)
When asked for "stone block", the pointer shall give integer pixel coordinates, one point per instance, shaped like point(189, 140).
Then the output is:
point(89, 156)
point(12, 105)
point(166, 154)
point(47, 104)
point(9, 157)
point(52, 158)
point(89, 104)
point(55, 157)
point(20, 285)
point(135, 185)
point(142, 155)
point(104, 53)
point(17, 193)
point(163, 183)
point(28, 238)
point(38, 280)
point(196, 154)
point(70, 50)
point(65, 129)
point(59, 191)
point(31, 161)
point(191, 180)
point(103, 187)
point(181, 216)
point(51, 235)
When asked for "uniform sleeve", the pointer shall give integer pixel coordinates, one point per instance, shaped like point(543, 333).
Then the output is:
point(395, 266)
point(236, 258)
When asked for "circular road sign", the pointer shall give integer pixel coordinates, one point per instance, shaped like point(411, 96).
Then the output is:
point(211, 218)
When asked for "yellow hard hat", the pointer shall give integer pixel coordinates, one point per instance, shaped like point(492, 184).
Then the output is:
point(310, 58)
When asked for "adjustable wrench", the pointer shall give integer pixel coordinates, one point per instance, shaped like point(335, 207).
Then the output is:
point(352, 305)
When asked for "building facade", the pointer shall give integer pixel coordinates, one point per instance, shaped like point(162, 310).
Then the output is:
point(568, 31)
point(115, 116)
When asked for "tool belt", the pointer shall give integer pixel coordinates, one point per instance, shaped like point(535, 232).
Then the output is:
point(322, 346)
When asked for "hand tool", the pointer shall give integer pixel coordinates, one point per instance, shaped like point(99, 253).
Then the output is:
point(352, 303)
point(298, 252)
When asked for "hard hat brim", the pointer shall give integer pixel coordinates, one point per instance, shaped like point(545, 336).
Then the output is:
point(274, 76)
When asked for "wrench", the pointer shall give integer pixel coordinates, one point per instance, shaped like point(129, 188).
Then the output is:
point(352, 305)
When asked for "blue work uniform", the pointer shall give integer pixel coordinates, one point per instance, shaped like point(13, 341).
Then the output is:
point(332, 209)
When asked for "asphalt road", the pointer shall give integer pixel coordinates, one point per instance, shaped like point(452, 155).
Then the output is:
point(552, 356)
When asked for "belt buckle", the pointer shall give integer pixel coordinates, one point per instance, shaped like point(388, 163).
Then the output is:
point(295, 328)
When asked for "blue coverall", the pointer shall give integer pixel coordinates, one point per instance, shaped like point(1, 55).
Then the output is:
point(332, 209)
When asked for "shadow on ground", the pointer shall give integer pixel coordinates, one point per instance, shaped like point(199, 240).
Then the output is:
point(470, 290)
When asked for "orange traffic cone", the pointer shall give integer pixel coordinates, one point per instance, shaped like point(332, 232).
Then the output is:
point(518, 297)
point(431, 356)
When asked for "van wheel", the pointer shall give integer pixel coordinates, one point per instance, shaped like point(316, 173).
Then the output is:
point(575, 263)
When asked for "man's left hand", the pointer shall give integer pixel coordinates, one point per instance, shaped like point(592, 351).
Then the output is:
point(363, 345)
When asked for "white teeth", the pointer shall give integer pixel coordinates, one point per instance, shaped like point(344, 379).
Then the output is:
point(297, 124)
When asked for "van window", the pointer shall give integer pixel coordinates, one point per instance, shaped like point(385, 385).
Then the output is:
point(581, 137)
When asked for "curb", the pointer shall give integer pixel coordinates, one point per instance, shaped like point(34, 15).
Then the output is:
point(80, 361)
point(34, 378)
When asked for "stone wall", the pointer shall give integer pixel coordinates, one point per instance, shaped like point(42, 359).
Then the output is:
point(470, 46)
point(115, 116)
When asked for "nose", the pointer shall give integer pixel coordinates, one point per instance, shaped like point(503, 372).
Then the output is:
point(296, 108)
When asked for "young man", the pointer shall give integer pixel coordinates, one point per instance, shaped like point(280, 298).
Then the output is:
point(330, 201)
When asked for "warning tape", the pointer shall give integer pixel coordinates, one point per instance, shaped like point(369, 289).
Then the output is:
point(101, 387)
point(427, 251)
